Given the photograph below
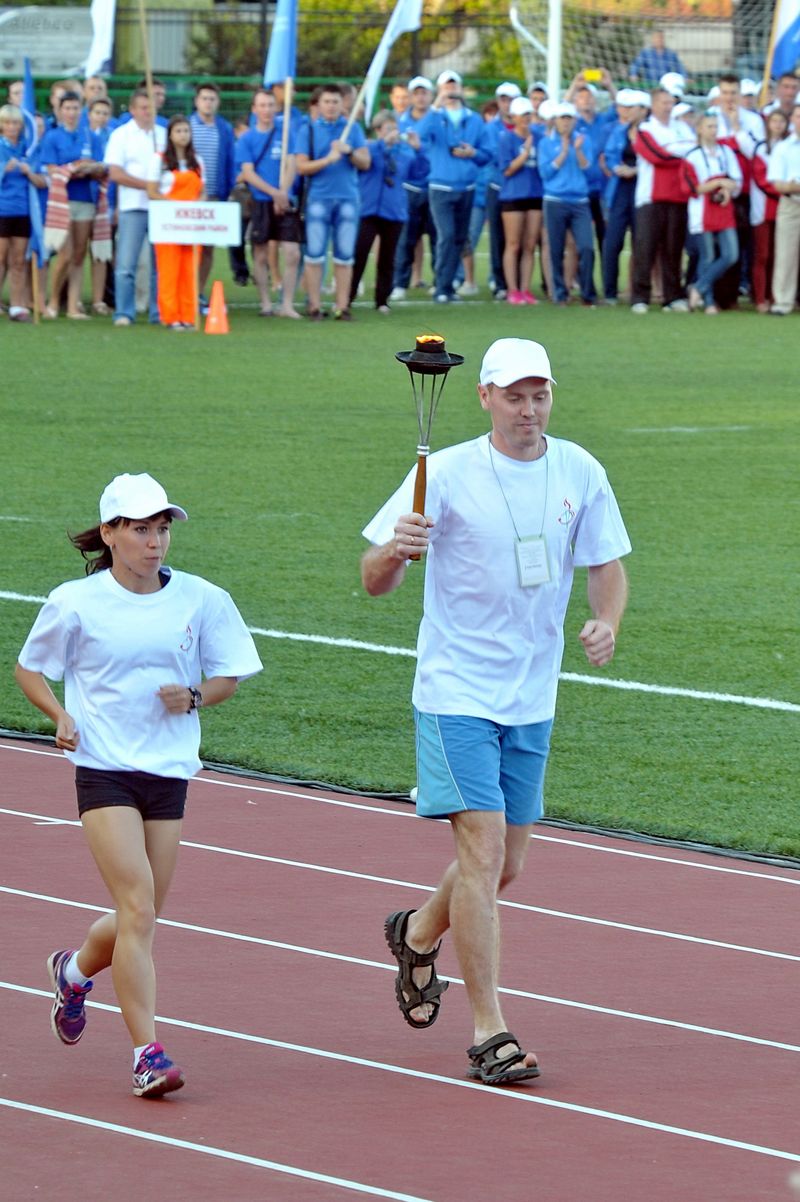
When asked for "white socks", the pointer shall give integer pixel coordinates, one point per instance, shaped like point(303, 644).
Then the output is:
point(137, 1053)
point(73, 973)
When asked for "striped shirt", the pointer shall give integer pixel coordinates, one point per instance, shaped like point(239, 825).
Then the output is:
point(206, 144)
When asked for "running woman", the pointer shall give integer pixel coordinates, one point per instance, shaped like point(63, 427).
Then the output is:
point(140, 649)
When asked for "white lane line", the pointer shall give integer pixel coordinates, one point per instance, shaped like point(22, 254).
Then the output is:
point(687, 429)
point(317, 797)
point(371, 878)
point(487, 1090)
point(258, 1162)
point(528, 995)
point(768, 703)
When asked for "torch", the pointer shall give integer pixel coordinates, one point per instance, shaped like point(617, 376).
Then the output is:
point(428, 365)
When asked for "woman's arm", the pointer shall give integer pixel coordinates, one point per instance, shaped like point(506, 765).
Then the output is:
point(39, 693)
point(177, 698)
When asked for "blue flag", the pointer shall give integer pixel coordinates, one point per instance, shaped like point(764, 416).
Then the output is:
point(36, 241)
point(282, 55)
point(786, 28)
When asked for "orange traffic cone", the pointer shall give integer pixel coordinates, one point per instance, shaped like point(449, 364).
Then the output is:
point(217, 320)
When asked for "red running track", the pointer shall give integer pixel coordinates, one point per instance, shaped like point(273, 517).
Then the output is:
point(658, 987)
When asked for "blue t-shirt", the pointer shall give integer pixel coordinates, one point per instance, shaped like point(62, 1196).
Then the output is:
point(597, 132)
point(60, 145)
point(526, 183)
point(338, 181)
point(569, 182)
point(263, 150)
point(14, 190)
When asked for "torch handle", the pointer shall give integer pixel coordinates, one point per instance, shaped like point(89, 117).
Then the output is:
point(420, 487)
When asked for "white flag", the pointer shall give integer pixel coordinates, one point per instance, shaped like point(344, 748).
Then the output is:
point(407, 17)
point(101, 51)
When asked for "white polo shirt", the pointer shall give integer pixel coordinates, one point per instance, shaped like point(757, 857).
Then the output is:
point(488, 647)
point(784, 163)
point(132, 149)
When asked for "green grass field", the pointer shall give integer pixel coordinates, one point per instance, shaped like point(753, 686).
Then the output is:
point(283, 438)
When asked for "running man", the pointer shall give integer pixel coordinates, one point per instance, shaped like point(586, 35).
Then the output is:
point(508, 517)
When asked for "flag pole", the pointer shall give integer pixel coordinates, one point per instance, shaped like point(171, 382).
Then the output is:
point(148, 70)
point(35, 285)
point(359, 100)
point(762, 99)
point(288, 96)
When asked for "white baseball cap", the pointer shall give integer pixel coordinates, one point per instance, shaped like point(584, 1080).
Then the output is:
point(448, 77)
point(674, 82)
point(546, 109)
point(628, 97)
point(507, 89)
point(585, 86)
point(538, 86)
point(136, 497)
point(519, 106)
point(749, 87)
point(713, 93)
point(682, 109)
point(419, 81)
point(564, 109)
point(643, 98)
point(510, 359)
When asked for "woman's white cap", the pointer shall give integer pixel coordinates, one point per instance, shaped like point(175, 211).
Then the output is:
point(136, 497)
point(448, 77)
point(508, 89)
point(564, 109)
point(510, 359)
point(420, 81)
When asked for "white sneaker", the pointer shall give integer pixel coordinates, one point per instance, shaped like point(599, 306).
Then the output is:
point(676, 306)
point(469, 289)
point(640, 307)
point(397, 294)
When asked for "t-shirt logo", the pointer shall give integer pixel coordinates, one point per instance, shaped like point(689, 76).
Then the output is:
point(567, 514)
point(188, 638)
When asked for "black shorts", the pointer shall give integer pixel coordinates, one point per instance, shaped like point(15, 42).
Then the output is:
point(268, 226)
point(153, 796)
point(15, 227)
point(528, 205)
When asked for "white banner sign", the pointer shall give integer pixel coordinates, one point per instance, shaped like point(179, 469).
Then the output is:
point(56, 40)
point(195, 222)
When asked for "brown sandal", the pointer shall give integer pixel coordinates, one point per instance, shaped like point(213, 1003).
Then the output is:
point(409, 994)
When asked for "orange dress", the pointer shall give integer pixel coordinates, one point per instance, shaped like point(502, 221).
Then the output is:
point(176, 264)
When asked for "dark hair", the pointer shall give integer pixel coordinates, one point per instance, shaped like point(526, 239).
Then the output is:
point(206, 87)
point(729, 77)
point(155, 81)
point(335, 88)
point(314, 94)
point(101, 100)
point(92, 540)
point(261, 92)
point(69, 96)
point(137, 94)
point(170, 157)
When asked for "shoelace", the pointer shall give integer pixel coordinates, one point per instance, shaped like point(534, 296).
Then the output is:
point(156, 1060)
point(74, 999)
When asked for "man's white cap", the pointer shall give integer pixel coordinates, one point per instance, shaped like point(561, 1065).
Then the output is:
point(713, 93)
point(136, 497)
point(510, 359)
point(643, 98)
point(749, 87)
point(419, 81)
point(674, 82)
point(507, 89)
point(519, 106)
point(538, 86)
point(682, 109)
point(627, 97)
point(546, 109)
point(564, 109)
point(587, 87)
point(448, 77)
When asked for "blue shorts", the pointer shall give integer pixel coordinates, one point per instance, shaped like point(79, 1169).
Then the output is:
point(331, 217)
point(466, 763)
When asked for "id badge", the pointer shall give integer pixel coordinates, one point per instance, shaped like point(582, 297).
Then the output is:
point(533, 566)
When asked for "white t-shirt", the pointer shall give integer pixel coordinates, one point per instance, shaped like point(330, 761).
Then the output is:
point(165, 179)
point(114, 649)
point(488, 647)
point(132, 148)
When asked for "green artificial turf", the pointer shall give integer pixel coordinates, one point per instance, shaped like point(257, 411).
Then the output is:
point(282, 439)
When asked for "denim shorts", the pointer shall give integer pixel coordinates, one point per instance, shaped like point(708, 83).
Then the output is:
point(466, 763)
point(156, 797)
point(331, 218)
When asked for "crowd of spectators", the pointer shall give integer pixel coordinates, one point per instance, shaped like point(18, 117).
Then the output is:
point(706, 192)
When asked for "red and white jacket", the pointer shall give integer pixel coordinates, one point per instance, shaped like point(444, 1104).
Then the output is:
point(742, 141)
point(763, 197)
point(701, 165)
point(660, 151)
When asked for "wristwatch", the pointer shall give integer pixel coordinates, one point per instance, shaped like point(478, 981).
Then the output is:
point(195, 699)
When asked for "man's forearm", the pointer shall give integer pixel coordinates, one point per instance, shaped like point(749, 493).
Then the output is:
point(608, 592)
point(382, 569)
